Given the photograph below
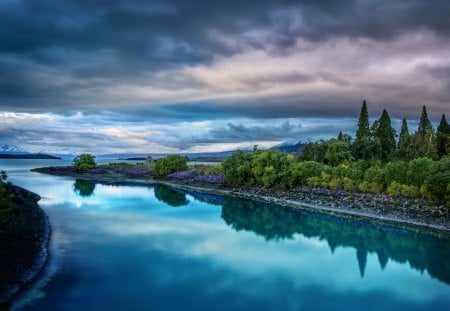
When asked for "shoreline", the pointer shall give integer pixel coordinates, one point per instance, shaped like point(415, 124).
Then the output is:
point(377, 208)
point(31, 260)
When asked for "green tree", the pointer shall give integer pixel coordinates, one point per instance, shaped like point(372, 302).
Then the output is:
point(338, 152)
point(171, 163)
point(386, 135)
point(443, 137)
point(315, 151)
point(84, 162)
point(363, 135)
point(237, 169)
point(424, 137)
point(405, 146)
point(438, 181)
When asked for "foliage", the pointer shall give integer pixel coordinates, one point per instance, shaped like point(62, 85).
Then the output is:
point(170, 164)
point(386, 135)
point(338, 152)
point(418, 171)
point(443, 138)
point(300, 172)
point(84, 162)
point(438, 180)
point(238, 169)
point(315, 151)
point(395, 171)
point(405, 148)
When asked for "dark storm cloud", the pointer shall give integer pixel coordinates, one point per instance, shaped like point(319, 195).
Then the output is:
point(61, 54)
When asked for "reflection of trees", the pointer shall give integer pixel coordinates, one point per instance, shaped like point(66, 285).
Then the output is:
point(83, 188)
point(421, 250)
point(170, 196)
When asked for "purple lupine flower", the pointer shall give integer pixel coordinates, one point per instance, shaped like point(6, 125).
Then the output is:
point(214, 178)
point(96, 171)
point(135, 171)
point(183, 175)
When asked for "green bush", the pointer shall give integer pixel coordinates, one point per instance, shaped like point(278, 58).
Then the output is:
point(418, 171)
point(374, 175)
point(335, 183)
point(237, 169)
point(410, 191)
point(170, 164)
point(394, 188)
point(348, 184)
point(438, 180)
point(315, 181)
point(84, 162)
point(301, 171)
point(372, 187)
point(395, 171)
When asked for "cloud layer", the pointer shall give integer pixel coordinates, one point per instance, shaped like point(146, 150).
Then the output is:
point(224, 66)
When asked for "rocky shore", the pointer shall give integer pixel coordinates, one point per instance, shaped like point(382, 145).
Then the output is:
point(24, 237)
point(377, 207)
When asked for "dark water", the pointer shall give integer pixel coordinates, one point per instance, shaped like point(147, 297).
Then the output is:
point(156, 248)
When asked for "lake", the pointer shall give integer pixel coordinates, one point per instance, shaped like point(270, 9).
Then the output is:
point(157, 248)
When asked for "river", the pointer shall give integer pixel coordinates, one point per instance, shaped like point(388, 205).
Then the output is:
point(157, 248)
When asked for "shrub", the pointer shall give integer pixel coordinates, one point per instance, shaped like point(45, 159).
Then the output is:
point(84, 162)
point(394, 188)
point(335, 183)
point(314, 181)
point(410, 191)
point(395, 171)
point(438, 180)
point(418, 171)
point(371, 187)
point(170, 164)
point(301, 171)
point(237, 169)
point(348, 184)
point(374, 175)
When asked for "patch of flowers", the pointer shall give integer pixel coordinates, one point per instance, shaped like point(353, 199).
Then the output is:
point(135, 171)
point(96, 171)
point(214, 178)
point(183, 175)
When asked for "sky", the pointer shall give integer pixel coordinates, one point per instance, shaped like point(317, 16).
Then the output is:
point(169, 76)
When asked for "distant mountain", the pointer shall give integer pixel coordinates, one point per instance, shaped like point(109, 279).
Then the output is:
point(191, 156)
point(290, 147)
point(28, 156)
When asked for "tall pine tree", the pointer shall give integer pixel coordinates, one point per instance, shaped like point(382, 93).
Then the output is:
point(425, 138)
point(405, 148)
point(363, 136)
point(386, 135)
point(443, 137)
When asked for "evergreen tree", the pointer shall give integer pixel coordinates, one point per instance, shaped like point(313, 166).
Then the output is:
point(363, 140)
point(363, 130)
point(340, 136)
point(386, 134)
point(443, 137)
point(406, 150)
point(425, 138)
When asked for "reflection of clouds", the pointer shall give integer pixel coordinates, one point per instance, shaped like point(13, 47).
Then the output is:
point(302, 260)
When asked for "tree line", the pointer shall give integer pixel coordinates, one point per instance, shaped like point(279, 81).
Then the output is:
point(374, 161)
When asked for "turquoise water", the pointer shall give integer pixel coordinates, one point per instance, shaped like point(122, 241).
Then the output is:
point(156, 248)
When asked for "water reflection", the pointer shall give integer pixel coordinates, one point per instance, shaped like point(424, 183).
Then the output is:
point(83, 188)
point(421, 250)
point(170, 196)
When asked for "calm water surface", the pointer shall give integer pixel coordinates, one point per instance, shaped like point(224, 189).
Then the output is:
point(156, 248)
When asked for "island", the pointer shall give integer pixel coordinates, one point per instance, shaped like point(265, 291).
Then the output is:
point(33, 156)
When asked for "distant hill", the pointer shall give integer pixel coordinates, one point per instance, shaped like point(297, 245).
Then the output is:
point(290, 147)
point(28, 156)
